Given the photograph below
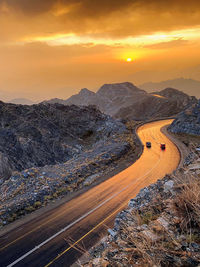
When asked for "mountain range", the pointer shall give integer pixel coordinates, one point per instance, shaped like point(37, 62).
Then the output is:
point(127, 101)
point(189, 86)
point(21, 101)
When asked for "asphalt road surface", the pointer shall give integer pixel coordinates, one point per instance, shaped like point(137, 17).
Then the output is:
point(58, 237)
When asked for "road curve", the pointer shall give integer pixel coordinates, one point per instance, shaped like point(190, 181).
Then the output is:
point(58, 237)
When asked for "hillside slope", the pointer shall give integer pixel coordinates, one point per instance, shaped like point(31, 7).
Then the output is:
point(41, 135)
point(187, 121)
point(160, 227)
point(125, 100)
point(165, 103)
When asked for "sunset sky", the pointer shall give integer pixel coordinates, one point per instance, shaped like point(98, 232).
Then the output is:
point(53, 48)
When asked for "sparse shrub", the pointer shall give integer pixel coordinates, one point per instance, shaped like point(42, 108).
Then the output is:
point(37, 204)
point(61, 190)
point(29, 208)
point(55, 195)
point(10, 219)
point(130, 124)
point(49, 197)
point(147, 217)
point(186, 204)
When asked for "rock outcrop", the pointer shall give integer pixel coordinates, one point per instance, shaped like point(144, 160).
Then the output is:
point(39, 135)
point(188, 121)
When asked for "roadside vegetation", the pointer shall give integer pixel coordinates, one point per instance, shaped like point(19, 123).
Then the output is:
point(161, 226)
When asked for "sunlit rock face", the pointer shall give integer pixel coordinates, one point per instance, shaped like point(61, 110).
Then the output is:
point(188, 121)
point(47, 134)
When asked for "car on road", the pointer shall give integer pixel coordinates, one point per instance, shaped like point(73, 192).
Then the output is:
point(148, 144)
point(163, 146)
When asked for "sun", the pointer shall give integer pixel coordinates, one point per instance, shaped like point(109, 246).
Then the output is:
point(129, 59)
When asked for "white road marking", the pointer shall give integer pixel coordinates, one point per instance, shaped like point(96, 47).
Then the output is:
point(80, 218)
point(19, 229)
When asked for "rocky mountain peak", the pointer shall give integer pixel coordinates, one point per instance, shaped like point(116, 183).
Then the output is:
point(112, 90)
point(125, 100)
point(86, 92)
point(172, 92)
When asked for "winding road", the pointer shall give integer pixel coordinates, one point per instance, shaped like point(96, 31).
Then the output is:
point(58, 237)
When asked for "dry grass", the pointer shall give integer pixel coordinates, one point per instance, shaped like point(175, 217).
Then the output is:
point(142, 250)
point(186, 204)
point(160, 246)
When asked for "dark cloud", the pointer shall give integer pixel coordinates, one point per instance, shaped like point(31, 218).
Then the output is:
point(29, 6)
point(99, 18)
point(84, 7)
point(93, 8)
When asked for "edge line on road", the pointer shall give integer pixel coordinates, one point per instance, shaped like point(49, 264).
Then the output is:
point(72, 246)
point(70, 225)
point(80, 218)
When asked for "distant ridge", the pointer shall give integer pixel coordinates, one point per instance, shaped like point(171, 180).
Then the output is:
point(189, 86)
point(127, 101)
point(109, 98)
point(21, 101)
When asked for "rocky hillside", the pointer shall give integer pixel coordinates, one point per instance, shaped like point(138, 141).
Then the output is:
point(165, 103)
point(82, 145)
point(109, 98)
point(125, 100)
point(40, 135)
point(177, 95)
point(187, 121)
point(161, 226)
